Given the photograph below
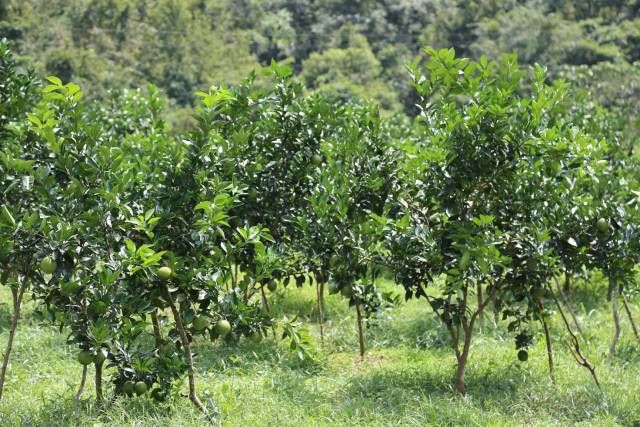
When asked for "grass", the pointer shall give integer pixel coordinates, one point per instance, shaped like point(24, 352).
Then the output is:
point(406, 379)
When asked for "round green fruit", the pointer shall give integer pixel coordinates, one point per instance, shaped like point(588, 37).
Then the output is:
point(539, 293)
point(128, 388)
point(48, 265)
point(85, 357)
point(99, 357)
point(164, 273)
point(272, 285)
point(316, 159)
point(347, 291)
point(158, 394)
point(532, 265)
point(603, 225)
point(333, 288)
point(98, 308)
point(200, 323)
point(223, 327)
point(255, 337)
point(523, 355)
point(140, 388)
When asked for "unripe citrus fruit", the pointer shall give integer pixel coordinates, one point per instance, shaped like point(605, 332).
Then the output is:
point(140, 388)
point(85, 357)
point(164, 273)
point(200, 323)
point(48, 265)
point(603, 225)
point(523, 355)
point(223, 327)
point(272, 285)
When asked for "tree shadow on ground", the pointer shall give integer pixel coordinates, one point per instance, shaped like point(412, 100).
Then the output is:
point(64, 411)
point(248, 356)
point(426, 332)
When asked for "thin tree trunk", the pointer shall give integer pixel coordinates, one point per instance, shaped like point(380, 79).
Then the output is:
point(464, 355)
point(567, 304)
point(156, 328)
point(16, 295)
point(320, 292)
point(630, 316)
point(479, 295)
point(547, 338)
point(187, 349)
point(99, 395)
point(83, 381)
point(263, 297)
point(360, 331)
point(567, 282)
point(460, 371)
point(616, 318)
point(575, 350)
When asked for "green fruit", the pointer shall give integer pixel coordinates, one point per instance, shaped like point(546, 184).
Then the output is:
point(98, 308)
point(140, 388)
point(272, 285)
point(164, 273)
point(48, 265)
point(539, 293)
point(316, 159)
point(85, 357)
point(603, 225)
point(100, 357)
point(532, 265)
point(223, 327)
point(347, 291)
point(200, 323)
point(70, 288)
point(333, 288)
point(128, 388)
point(523, 356)
point(158, 394)
point(255, 337)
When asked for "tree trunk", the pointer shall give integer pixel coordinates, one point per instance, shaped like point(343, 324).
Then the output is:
point(616, 318)
point(16, 295)
point(460, 370)
point(156, 328)
point(630, 316)
point(547, 338)
point(567, 304)
point(479, 296)
point(320, 292)
point(99, 395)
point(263, 298)
point(567, 282)
point(83, 381)
point(360, 331)
point(187, 349)
point(463, 358)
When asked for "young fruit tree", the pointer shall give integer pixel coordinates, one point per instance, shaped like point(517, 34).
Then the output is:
point(472, 228)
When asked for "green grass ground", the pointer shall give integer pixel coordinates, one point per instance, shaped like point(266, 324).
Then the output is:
point(405, 379)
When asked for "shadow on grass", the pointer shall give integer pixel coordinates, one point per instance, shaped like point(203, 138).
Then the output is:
point(247, 357)
point(64, 411)
point(423, 333)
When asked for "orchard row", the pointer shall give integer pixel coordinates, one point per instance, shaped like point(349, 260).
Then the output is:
point(138, 240)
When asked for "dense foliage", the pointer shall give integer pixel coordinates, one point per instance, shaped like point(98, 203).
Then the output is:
point(342, 48)
point(137, 239)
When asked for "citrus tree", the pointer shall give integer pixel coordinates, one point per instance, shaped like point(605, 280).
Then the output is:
point(473, 222)
point(337, 229)
point(23, 195)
